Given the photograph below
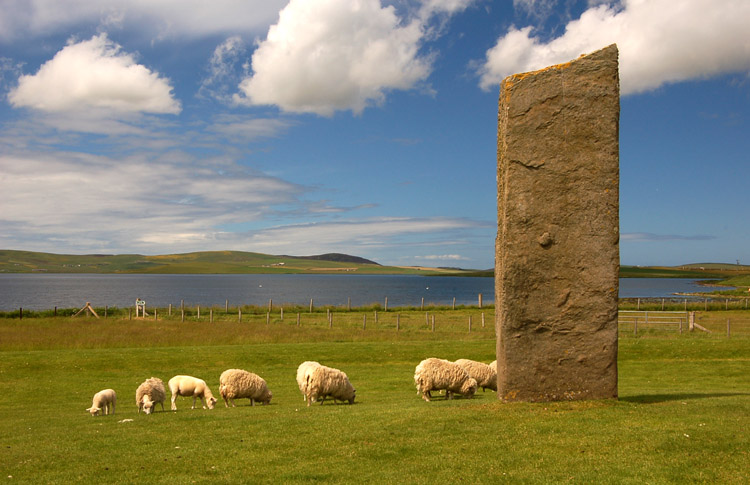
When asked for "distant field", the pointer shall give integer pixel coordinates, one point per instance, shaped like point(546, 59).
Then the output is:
point(682, 415)
point(207, 262)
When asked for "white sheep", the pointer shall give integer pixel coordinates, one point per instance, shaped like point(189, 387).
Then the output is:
point(191, 386)
point(103, 402)
point(435, 374)
point(304, 371)
point(484, 374)
point(327, 381)
point(239, 384)
point(149, 393)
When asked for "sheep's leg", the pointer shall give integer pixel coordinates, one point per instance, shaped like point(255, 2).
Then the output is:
point(174, 398)
point(322, 400)
point(162, 405)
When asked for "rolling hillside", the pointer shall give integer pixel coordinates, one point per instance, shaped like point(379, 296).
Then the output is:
point(207, 262)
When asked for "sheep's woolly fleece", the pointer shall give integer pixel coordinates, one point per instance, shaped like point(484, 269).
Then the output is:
point(435, 374)
point(241, 384)
point(484, 374)
point(149, 393)
point(327, 381)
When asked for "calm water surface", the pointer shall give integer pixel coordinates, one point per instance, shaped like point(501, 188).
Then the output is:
point(45, 291)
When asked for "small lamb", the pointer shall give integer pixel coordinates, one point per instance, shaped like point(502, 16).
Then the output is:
point(149, 393)
point(435, 374)
point(191, 386)
point(327, 381)
point(103, 402)
point(239, 384)
point(484, 374)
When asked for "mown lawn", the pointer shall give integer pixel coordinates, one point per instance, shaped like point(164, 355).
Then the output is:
point(682, 416)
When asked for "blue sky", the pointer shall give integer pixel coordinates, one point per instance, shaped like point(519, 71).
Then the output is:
point(359, 126)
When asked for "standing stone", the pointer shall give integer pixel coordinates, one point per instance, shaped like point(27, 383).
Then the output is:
point(557, 249)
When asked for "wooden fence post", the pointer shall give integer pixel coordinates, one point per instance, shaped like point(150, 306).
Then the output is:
point(226, 306)
point(182, 315)
point(20, 313)
point(55, 310)
point(469, 323)
point(422, 306)
point(433, 323)
point(386, 303)
point(270, 304)
point(480, 300)
point(268, 318)
point(482, 319)
point(298, 319)
point(282, 314)
point(376, 316)
point(454, 303)
point(211, 315)
point(105, 311)
point(398, 322)
point(239, 315)
point(199, 312)
point(364, 321)
point(311, 305)
point(170, 309)
point(130, 313)
point(349, 304)
point(156, 311)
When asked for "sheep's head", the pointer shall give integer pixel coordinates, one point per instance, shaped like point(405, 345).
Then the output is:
point(211, 402)
point(148, 405)
point(351, 396)
point(469, 387)
point(94, 410)
point(266, 398)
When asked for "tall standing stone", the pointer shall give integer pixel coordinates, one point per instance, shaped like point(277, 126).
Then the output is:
point(557, 249)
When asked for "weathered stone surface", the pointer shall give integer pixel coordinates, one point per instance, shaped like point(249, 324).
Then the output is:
point(557, 249)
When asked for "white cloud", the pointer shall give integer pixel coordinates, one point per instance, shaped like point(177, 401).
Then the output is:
point(222, 75)
point(334, 55)
point(159, 19)
point(91, 201)
point(94, 74)
point(442, 257)
point(660, 41)
point(364, 233)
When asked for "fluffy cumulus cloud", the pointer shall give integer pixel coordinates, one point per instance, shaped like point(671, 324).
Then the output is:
point(333, 55)
point(94, 74)
point(660, 42)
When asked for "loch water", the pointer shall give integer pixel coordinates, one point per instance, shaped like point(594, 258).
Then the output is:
point(45, 291)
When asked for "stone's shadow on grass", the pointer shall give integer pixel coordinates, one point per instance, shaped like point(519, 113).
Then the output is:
point(660, 398)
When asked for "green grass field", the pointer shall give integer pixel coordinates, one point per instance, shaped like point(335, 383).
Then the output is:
point(682, 416)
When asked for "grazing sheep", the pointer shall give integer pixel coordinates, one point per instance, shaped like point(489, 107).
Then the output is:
point(434, 374)
point(484, 374)
point(103, 401)
point(304, 371)
point(326, 381)
point(149, 393)
point(238, 384)
point(191, 386)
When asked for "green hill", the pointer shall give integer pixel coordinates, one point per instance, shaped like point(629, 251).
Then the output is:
point(205, 262)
